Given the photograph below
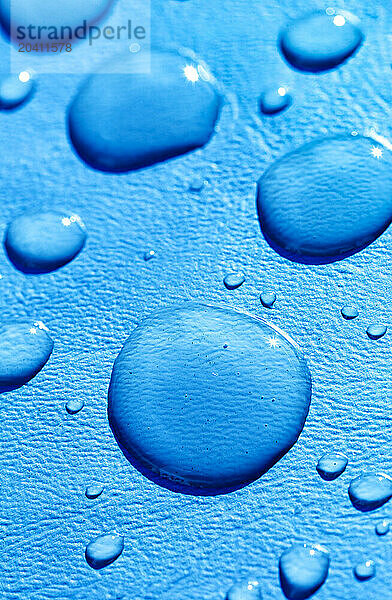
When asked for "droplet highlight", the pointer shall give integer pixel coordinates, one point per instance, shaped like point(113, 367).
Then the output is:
point(233, 281)
point(331, 465)
point(104, 550)
point(268, 299)
point(383, 527)
point(370, 491)
point(94, 490)
point(303, 569)
point(74, 406)
point(376, 331)
point(245, 590)
point(349, 312)
point(274, 101)
point(15, 90)
point(365, 570)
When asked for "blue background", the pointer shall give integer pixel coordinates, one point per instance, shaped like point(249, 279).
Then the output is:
point(181, 547)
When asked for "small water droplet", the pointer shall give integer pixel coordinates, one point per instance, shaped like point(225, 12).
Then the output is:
point(365, 570)
point(149, 255)
point(74, 406)
point(197, 184)
point(268, 299)
point(104, 550)
point(15, 90)
point(383, 527)
point(320, 41)
point(274, 100)
point(370, 491)
point(331, 465)
point(376, 331)
point(245, 590)
point(94, 491)
point(303, 569)
point(43, 242)
point(349, 312)
point(233, 281)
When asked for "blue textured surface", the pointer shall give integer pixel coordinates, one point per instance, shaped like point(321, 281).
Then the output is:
point(179, 547)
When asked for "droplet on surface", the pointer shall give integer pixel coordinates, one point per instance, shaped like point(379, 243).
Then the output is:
point(245, 590)
point(376, 331)
point(303, 569)
point(15, 90)
point(326, 200)
point(274, 100)
point(43, 242)
point(149, 254)
point(349, 312)
point(190, 398)
point(331, 465)
point(268, 299)
point(233, 281)
point(197, 184)
point(319, 41)
point(383, 527)
point(24, 350)
point(370, 491)
point(74, 406)
point(94, 490)
point(113, 121)
point(104, 550)
point(365, 570)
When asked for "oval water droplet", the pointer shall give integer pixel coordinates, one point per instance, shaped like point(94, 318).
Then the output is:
point(15, 90)
point(376, 331)
point(268, 299)
point(24, 350)
point(94, 490)
point(245, 590)
point(327, 199)
point(190, 398)
point(43, 242)
point(365, 570)
point(74, 406)
point(383, 527)
point(113, 120)
point(274, 100)
point(370, 491)
point(331, 465)
point(319, 41)
point(233, 281)
point(197, 184)
point(104, 550)
point(303, 569)
point(349, 312)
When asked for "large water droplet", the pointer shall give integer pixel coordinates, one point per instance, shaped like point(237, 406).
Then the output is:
point(370, 491)
point(206, 399)
point(74, 406)
point(233, 281)
point(15, 90)
point(43, 242)
point(268, 299)
point(365, 570)
point(383, 527)
point(274, 100)
point(326, 200)
point(121, 122)
point(376, 331)
point(245, 590)
point(331, 465)
point(349, 312)
point(24, 350)
point(104, 550)
point(303, 570)
point(320, 41)
point(94, 490)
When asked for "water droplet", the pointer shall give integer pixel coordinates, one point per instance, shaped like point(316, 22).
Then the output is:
point(104, 550)
point(43, 242)
point(370, 491)
point(303, 569)
point(179, 401)
point(15, 90)
point(74, 406)
point(349, 312)
point(365, 570)
point(113, 120)
point(245, 590)
point(331, 465)
point(24, 350)
point(267, 299)
point(233, 281)
point(274, 100)
point(319, 41)
point(327, 199)
point(94, 491)
point(383, 527)
point(197, 184)
point(149, 255)
point(376, 331)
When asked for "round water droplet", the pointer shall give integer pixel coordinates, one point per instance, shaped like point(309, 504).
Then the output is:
point(24, 350)
point(113, 121)
point(267, 299)
point(365, 570)
point(349, 312)
point(331, 465)
point(94, 491)
point(326, 200)
point(74, 406)
point(376, 331)
point(383, 527)
point(233, 281)
point(43, 242)
point(149, 255)
point(197, 184)
point(245, 590)
point(274, 100)
point(104, 550)
point(370, 491)
point(319, 41)
point(191, 398)
point(15, 90)
point(303, 569)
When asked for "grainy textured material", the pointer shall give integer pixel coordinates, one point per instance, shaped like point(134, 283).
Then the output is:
point(179, 547)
